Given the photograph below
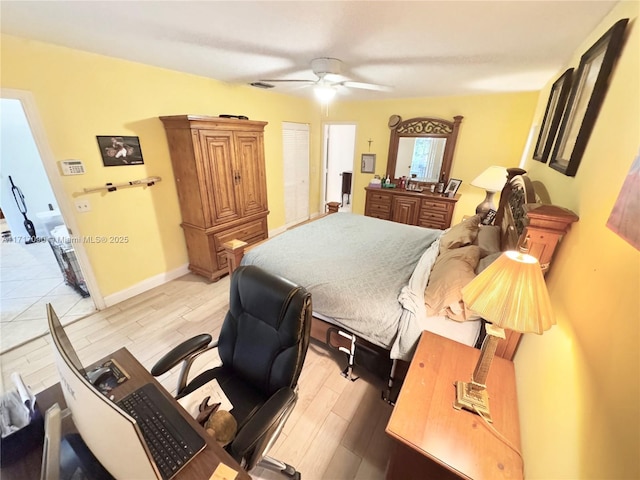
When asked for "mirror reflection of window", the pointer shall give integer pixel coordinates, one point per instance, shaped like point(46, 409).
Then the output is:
point(420, 156)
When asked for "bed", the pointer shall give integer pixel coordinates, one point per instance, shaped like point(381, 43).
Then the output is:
point(370, 278)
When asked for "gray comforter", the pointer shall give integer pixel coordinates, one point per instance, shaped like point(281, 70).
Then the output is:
point(354, 266)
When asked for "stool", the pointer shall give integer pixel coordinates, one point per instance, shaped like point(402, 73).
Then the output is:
point(332, 207)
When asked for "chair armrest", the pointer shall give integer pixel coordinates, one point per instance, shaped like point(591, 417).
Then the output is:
point(195, 345)
point(274, 411)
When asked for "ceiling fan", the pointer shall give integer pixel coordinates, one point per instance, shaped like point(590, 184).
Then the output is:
point(329, 73)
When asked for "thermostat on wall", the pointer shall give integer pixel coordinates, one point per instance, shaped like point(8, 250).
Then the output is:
point(72, 167)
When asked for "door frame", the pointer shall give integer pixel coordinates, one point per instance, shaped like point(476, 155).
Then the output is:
point(51, 170)
point(325, 161)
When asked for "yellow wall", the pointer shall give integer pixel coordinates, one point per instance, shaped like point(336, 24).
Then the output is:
point(578, 384)
point(81, 95)
point(494, 131)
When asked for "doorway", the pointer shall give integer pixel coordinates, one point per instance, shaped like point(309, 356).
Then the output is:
point(39, 263)
point(339, 149)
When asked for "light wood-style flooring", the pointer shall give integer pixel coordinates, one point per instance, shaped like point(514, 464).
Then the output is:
point(336, 430)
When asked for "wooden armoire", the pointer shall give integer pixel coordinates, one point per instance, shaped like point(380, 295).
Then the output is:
point(219, 169)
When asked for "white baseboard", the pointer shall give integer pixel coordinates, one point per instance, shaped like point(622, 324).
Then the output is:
point(145, 285)
point(277, 231)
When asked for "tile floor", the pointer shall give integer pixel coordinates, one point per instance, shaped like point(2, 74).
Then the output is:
point(29, 278)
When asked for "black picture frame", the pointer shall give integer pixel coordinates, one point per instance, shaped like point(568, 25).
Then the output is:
point(552, 116)
point(117, 150)
point(588, 90)
point(452, 186)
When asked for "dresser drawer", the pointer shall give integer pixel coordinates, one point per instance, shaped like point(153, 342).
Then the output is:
point(380, 215)
point(427, 223)
point(380, 198)
point(440, 217)
point(379, 208)
point(435, 206)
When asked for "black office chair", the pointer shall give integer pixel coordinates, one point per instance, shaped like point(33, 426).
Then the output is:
point(262, 344)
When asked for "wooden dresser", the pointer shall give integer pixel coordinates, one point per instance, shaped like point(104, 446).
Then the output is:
point(413, 208)
point(219, 168)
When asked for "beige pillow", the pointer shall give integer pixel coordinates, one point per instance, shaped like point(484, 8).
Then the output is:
point(488, 240)
point(464, 233)
point(452, 271)
point(486, 261)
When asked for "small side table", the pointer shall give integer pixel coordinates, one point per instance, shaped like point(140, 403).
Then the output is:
point(434, 440)
point(332, 207)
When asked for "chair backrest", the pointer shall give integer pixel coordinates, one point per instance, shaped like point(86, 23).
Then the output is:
point(265, 334)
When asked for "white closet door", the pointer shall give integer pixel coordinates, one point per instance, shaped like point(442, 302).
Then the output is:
point(295, 147)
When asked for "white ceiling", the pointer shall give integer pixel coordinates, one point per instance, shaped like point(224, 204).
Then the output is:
point(421, 48)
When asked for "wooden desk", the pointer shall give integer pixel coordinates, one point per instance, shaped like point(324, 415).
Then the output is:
point(434, 440)
point(202, 465)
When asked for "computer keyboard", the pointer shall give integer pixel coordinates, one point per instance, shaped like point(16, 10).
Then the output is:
point(173, 442)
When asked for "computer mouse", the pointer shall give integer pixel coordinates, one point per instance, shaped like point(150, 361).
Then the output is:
point(99, 374)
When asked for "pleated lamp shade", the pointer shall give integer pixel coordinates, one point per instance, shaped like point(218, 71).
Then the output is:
point(511, 293)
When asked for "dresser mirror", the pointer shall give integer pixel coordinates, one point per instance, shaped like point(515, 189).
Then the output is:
point(422, 147)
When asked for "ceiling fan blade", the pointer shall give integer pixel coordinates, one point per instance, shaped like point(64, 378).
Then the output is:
point(367, 86)
point(280, 81)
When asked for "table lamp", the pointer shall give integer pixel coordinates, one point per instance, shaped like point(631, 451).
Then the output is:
point(492, 180)
point(510, 293)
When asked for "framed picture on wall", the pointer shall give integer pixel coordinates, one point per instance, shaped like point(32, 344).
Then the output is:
point(588, 90)
point(368, 163)
point(552, 116)
point(118, 151)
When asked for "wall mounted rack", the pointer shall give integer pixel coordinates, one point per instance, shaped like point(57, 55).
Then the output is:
point(112, 187)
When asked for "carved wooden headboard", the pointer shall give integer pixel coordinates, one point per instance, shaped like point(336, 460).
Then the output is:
point(517, 198)
point(526, 222)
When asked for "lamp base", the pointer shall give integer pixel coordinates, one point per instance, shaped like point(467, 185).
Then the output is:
point(472, 398)
point(486, 205)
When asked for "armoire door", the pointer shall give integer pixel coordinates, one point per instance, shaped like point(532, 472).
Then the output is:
point(249, 173)
point(220, 175)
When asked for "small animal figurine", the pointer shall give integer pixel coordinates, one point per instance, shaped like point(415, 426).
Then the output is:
point(222, 426)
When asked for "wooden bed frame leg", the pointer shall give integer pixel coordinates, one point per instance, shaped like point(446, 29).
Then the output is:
point(351, 352)
point(235, 252)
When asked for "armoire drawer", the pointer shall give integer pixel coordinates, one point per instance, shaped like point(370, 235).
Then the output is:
point(249, 232)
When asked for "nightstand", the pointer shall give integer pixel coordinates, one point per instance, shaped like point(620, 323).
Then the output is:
point(434, 440)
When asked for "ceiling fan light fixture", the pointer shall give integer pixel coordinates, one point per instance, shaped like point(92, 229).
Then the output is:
point(324, 93)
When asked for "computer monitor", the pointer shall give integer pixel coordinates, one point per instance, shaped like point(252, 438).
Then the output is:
point(110, 433)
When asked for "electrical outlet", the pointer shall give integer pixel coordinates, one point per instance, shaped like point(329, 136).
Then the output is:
point(83, 205)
